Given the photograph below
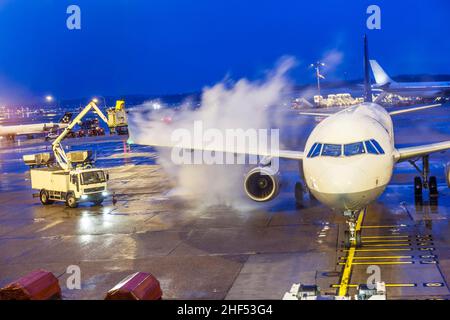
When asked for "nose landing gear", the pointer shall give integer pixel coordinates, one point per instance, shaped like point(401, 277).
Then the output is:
point(352, 236)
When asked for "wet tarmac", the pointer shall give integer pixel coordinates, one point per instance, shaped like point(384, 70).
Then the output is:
point(225, 252)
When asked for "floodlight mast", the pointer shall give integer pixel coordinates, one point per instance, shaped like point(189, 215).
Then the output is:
point(319, 76)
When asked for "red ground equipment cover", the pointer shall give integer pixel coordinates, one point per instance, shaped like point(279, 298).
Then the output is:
point(37, 285)
point(138, 286)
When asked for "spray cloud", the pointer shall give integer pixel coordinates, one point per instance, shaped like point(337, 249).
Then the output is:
point(227, 105)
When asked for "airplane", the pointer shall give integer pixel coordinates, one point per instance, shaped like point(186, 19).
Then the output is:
point(10, 132)
point(415, 89)
point(347, 163)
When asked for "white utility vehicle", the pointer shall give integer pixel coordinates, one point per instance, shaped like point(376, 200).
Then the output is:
point(72, 187)
point(68, 177)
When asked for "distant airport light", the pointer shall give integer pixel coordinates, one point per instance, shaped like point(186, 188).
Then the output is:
point(96, 100)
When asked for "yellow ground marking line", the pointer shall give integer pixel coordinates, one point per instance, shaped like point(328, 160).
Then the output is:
point(391, 285)
point(380, 250)
point(391, 226)
point(379, 257)
point(401, 285)
point(378, 262)
point(347, 271)
point(383, 237)
point(50, 225)
point(386, 240)
point(387, 245)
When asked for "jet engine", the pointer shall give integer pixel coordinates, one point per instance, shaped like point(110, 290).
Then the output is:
point(262, 184)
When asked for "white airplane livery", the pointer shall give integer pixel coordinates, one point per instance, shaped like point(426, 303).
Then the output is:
point(420, 89)
point(348, 161)
point(350, 157)
point(11, 132)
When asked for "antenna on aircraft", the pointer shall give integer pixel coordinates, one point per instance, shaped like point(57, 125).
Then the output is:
point(367, 85)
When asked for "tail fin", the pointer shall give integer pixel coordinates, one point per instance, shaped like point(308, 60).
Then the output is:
point(367, 86)
point(381, 77)
point(66, 118)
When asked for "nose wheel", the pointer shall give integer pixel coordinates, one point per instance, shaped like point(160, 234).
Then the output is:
point(352, 237)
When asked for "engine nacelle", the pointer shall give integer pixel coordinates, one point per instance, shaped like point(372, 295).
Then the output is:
point(262, 184)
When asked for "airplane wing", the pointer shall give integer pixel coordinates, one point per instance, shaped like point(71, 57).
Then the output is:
point(396, 112)
point(319, 114)
point(285, 154)
point(403, 154)
point(392, 113)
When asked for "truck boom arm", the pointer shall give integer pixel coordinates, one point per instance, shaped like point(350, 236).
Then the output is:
point(58, 150)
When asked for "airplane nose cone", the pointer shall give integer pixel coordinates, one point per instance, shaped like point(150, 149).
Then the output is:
point(339, 179)
point(340, 187)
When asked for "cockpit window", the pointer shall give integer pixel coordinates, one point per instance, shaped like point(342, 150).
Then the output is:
point(335, 150)
point(370, 148)
point(316, 150)
point(377, 145)
point(311, 150)
point(353, 149)
point(332, 150)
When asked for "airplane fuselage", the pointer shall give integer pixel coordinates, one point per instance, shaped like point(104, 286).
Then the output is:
point(421, 89)
point(350, 157)
point(25, 129)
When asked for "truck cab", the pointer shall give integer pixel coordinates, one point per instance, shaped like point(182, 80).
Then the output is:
point(87, 185)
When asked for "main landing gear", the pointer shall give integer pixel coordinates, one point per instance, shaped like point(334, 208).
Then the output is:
point(424, 181)
point(352, 236)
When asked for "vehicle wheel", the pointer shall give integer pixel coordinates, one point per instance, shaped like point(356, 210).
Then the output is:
point(98, 202)
point(417, 186)
point(43, 196)
point(358, 239)
point(433, 187)
point(298, 193)
point(347, 243)
point(71, 202)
